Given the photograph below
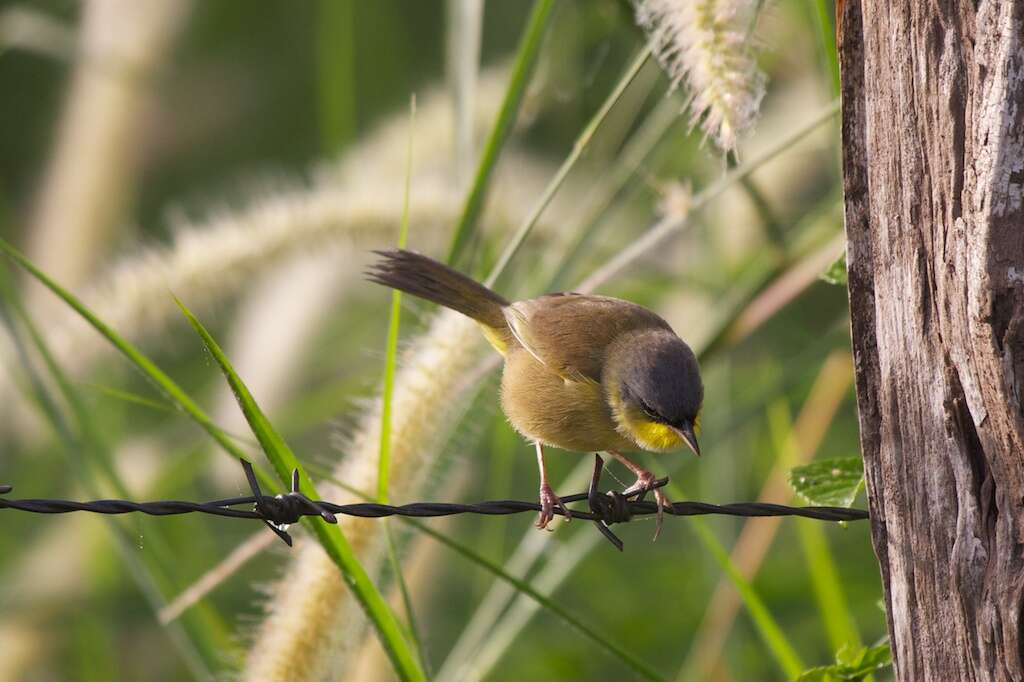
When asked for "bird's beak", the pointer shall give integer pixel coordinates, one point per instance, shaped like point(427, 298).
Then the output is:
point(686, 433)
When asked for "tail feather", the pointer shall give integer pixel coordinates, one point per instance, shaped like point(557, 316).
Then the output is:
point(428, 279)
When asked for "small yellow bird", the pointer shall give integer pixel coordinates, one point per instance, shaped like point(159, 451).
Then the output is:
point(584, 373)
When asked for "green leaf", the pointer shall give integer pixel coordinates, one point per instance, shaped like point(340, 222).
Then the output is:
point(829, 482)
point(820, 674)
point(403, 658)
point(836, 273)
point(852, 664)
point(876, 657)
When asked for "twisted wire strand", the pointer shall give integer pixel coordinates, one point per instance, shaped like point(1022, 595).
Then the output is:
point(279, 511)
point(423, 509)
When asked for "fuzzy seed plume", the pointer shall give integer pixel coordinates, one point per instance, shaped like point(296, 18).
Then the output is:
point(312, 619)
point(346, 206)
point(704, 44)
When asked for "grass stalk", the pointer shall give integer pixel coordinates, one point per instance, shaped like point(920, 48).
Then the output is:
point(524, 587)
point(825, 581)
point(827, 41)
point(284, 461)
point(561, 561)
point(578, 148)
point(488, 634)
point(668, 226)
point(767, 627)
point(465, 28)
point(526, 58)
point(387, 395)
point(195, 643)
point(391, 345)
point(280, 455)
point(634, 153)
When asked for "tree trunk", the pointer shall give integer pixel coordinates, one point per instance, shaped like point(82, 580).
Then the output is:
point(933, 141)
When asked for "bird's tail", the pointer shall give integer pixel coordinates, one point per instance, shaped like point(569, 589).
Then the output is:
point(426, 278)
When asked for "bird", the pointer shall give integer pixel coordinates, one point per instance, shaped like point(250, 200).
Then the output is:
point(582, 372)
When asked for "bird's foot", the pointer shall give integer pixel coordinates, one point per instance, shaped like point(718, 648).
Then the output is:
point(548, 501)
point(645, 481)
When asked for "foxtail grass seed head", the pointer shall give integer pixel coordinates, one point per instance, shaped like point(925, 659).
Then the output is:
point(312, 620)
point(704, 44)
point(348, 206)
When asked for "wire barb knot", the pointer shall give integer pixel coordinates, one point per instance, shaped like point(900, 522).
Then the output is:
point(281, 511)
point(612, 506)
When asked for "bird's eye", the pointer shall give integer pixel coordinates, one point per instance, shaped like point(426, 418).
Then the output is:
point(649, 412)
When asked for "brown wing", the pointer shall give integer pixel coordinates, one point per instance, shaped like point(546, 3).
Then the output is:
point(569, 333)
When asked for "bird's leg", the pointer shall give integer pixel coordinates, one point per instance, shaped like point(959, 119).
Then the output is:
point(644, 483)
point(548, 499)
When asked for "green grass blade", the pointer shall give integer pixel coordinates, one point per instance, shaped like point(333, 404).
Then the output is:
point(526, 58)
point(665, 227)
point(149, 369)
point(563, 171)
point(334, 543)
point(284, 461)
point(825, 581)
point(827, 41)
point(413, 629)
point(772, 635)
point(636, 151)
point(387, 397)
point(194, 638)
point(391, 348)
point(497, 571)
point(827, 585)
point(131, 397)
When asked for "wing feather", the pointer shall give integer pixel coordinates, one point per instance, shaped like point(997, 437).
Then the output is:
point(570, 333)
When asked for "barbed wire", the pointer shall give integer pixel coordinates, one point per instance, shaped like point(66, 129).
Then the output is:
point(278, 512)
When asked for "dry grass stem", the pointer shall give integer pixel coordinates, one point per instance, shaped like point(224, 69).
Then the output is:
point(785, 289)
point(238, 557)
point(757, 535)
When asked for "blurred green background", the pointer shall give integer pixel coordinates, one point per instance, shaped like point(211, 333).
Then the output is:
point(223, 116)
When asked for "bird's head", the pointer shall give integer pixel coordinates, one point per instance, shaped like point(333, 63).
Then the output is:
point(652, 382)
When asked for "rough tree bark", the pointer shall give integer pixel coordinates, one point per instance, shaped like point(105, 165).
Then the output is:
point(933, 139)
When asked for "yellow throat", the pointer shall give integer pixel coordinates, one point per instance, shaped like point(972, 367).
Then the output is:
point(641, 429)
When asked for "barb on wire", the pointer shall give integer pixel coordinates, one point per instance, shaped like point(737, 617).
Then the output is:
point(280, 511)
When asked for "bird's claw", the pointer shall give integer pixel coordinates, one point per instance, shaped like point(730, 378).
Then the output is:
point(548, 501)
point(645, 481)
